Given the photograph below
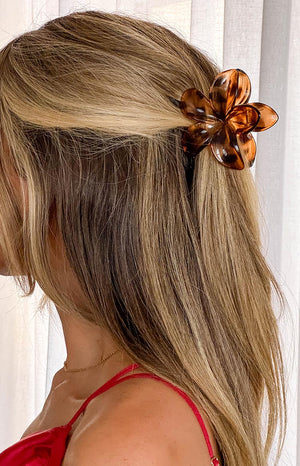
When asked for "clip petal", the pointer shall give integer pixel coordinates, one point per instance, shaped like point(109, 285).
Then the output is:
point(268, 116)
point(226, 149)
point(229, 88)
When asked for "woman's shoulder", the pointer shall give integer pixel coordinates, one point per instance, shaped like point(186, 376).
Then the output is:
point(32, 428)
point(142, 417)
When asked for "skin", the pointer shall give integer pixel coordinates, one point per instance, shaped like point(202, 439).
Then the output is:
point(86, 344)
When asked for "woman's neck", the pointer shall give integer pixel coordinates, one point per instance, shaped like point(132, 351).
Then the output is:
point(87, 344)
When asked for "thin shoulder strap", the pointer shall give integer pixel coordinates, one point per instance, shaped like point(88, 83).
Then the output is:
point(115, 380)
point(214, 460)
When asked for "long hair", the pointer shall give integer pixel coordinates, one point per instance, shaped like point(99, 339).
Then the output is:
point(178, 278)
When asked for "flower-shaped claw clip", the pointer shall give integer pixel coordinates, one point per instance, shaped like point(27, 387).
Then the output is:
point(225, 120)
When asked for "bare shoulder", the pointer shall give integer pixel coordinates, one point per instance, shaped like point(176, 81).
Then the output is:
point(118, 446)
point(35, 424)
point(149, 423)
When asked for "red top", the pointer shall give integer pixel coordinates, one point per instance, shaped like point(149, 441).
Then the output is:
point(47, 448)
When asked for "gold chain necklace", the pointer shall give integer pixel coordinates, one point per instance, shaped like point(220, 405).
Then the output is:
point(89, 367)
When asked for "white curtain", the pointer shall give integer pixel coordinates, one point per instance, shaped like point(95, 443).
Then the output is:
point(260, 37)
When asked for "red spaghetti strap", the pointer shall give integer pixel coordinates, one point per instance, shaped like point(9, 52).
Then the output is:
point(116, 379)
point(103, 388)
point(213, 459)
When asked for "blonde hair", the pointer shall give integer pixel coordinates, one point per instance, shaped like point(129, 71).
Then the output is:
point(180, 281)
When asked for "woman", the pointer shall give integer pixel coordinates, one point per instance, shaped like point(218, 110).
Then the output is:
point(146, 275)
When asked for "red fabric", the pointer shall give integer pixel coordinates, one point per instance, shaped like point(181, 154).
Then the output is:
point(47, 448)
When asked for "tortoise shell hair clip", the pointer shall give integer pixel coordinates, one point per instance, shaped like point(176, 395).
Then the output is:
point(225, 119)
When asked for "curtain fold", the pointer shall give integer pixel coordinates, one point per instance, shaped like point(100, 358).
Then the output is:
point(262, 38)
